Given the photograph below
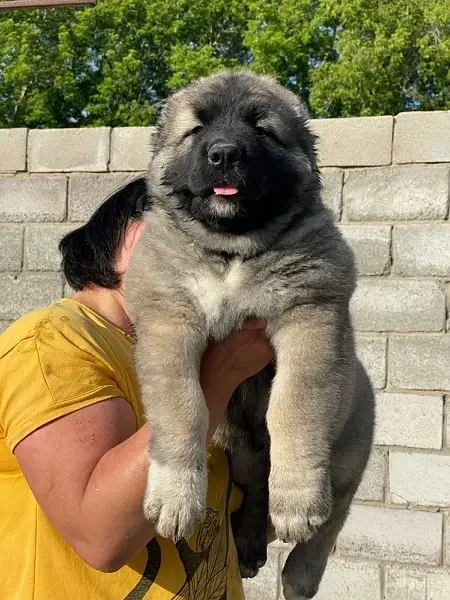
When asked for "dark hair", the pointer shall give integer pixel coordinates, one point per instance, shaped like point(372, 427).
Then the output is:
point(88, 253)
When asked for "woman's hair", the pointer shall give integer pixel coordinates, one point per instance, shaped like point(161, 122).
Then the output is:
point(89, 252)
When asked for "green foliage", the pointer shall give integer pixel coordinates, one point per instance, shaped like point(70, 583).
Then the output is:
point(115, 63)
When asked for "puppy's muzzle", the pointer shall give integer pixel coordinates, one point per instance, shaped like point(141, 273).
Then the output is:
point(223, 156)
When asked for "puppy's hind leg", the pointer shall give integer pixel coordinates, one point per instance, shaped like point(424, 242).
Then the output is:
point(250, 529)
point(307, 561)
point(243, 434)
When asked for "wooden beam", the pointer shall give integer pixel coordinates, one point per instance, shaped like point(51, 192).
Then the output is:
point(29, 4)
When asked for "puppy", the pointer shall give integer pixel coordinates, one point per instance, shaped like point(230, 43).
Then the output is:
point(238, 230)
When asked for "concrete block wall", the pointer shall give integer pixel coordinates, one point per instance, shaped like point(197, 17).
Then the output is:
point(386, 179)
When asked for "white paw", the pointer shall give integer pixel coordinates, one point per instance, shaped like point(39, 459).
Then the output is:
point(175, 500)
point(298, 512)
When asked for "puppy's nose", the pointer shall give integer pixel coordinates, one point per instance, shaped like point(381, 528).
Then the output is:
point(222, 155)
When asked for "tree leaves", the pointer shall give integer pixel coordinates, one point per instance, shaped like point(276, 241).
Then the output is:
point(113, 64)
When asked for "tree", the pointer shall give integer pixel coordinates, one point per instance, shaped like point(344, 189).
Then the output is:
point(391, 56)
point(114, 64)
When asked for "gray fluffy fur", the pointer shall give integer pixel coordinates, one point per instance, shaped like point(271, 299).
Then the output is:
point(298, 435)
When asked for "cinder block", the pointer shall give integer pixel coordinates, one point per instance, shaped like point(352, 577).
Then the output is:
point(421, 137)
point(68, 149)
point(372, 247)
point(447, 540)
point(32, 199)
point(392, 534)
point(396, 193)
point(419, 362)
point(130, 148)
point(332, 190)
point(13, 150)
point(41, 247)
point(447, 422)
point(21, 294)
point(411, 420)
point(4, 325)
point(267, 583)
point(345, 580)
point(385, 304)
point(422, 250)
point(87, 192)
point(420, 479)
point(447, 300)
point(68, 292)
point(371, 352)
point(373, 483)
point(355, 142)
point(417, 584)
point(11, 241)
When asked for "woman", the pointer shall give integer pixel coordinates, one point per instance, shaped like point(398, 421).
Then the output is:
point(74, 444)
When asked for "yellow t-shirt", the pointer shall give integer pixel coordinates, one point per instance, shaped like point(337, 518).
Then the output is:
point(53, 362)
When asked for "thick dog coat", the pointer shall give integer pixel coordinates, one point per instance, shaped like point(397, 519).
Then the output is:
point(238, 230)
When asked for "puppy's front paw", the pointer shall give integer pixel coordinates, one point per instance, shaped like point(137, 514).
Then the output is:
point(175, 500)
point(299, 509)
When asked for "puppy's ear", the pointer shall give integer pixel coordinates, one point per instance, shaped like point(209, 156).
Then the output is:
point(161, 118)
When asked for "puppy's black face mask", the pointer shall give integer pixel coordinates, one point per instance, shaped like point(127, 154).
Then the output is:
point(243, 161)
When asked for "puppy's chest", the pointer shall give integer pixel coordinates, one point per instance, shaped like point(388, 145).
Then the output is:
point(238, 291)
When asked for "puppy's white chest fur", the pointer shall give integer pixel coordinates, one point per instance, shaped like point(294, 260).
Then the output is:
point(228, 297)
point(219, 293)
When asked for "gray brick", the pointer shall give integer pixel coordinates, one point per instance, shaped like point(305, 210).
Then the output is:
point(32, 198)
point(345, 580)
point(392, 534)
point(41, 247)
point(21, 294)
point(130, 148)
point(420, 362)
point(421, 137)
point(447, 540)
point(447, 421)
point(68, 149)
point(87, 192)
point(422, 249)
point(11, 239)
point(371, 245)
point(413, 420)
point(396, 193)
point(372, 353)
point(420, 479)
point(266, 584)
point(387, 304)
point(13, 150)
point(373, 484)
point(68, 292)
point(4, 325)
point(447, 300)
point(360, 141)
point(417, 584)
point(332, 180)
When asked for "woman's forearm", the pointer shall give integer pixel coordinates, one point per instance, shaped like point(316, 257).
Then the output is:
point(112, 502)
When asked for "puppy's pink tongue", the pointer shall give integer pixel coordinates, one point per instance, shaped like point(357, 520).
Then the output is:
point(225, 190)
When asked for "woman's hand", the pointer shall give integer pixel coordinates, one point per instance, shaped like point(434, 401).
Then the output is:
point(225, 366)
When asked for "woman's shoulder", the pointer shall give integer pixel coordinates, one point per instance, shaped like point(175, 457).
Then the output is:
point(66, 321)
point(26, 327)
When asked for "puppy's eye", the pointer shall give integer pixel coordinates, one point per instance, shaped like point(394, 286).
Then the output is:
point(194, 131)
point(264, 132)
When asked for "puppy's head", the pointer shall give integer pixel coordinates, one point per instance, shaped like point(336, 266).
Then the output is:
point(233, 151)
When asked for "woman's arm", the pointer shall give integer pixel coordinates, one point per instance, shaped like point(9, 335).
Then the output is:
point(88, 469)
